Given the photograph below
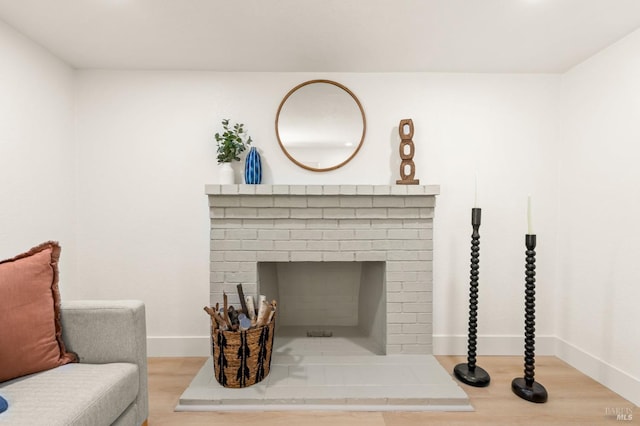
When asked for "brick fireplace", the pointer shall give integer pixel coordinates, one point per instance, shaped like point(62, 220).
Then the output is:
point(334, 256)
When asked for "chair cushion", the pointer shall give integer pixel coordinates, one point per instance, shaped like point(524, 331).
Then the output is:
point(30, 329)
point(73, 394)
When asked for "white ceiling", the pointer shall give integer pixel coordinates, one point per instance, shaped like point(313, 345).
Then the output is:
point(534, 36)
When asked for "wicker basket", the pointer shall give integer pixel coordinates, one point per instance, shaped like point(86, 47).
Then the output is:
point(242, 358)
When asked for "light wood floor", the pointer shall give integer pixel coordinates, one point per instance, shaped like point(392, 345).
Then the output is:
point(573, 399)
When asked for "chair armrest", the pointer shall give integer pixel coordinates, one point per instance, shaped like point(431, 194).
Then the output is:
point(106, 331)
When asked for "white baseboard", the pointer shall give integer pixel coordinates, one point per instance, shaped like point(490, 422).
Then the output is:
point(178, 346)
point(615, 379)
point(491, 345)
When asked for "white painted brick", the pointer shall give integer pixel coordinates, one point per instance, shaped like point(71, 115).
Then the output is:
point(334, 256)
point(388, 202)
point(297, 189)
point(331, 189)
point(395, 318)
point(348, 189)
point(355, 245)
point(290, 245)
point(240, 256)
point(420, 202)
point(212, 189)
point(402, 255)
point(393, 308)
point(327, 201)
point(394, 286)
point(216, 213)
point(280, 189)
point(415, 189)
point(241, 234)
point(239, 277)
point(416, 223)
point(371, 256)
point(306, 234)
point(257, 223)
point(229, 189)
point(364, 213)
point(417, 244)
point(289, 201)
point(322, 223)
point(225, 201)
point(414, 286)
point(338, 213)
point(217, 256)
point(416, 349)
point(246, 189)
point(338, 234)
point(322, 245)
point(416, 307)
point(399, 190)
point(370, 234)
point(273, 256)
point(387, 245)
point(426, 318)
point(415, 329)
point(226, 223)
point(424, 213)
point(273, 234)
point(401, 276)
point(426, 234)
point(354, 223)
point(364, 190)
point(425, 255)
point(290, 223)
point(224, 266)
point(426, 277)
point(246, 265)
point(400, 339)
point(306, 213)
point(403, 213)
point(240, 212)
point(226, 245)
point(306, 256)
point(403, 234)
point(257, 245)
point(424, 338)
point(264, 189)
point(358, 202)
point(314, 189)
point(273, 212)
point(216, 234)
point(216, 276)
point(382, 190)
point(256, 201)
point(386, 223)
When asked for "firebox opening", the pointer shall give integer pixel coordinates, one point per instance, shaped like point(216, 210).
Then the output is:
point(344, 299)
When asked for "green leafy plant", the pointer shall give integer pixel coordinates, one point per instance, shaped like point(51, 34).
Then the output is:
point(232, 142)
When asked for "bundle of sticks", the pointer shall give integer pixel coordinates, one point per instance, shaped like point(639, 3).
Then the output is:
point(227, 317)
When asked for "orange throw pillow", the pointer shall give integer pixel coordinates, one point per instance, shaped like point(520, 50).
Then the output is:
point(30, 330)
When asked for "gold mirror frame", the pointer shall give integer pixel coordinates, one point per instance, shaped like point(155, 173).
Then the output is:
point(355, 151)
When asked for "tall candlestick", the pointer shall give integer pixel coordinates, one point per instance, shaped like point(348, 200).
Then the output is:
point(529, 222)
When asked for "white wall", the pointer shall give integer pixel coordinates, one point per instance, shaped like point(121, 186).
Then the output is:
point(146, 149)
point(599, 204)
point(37, 155)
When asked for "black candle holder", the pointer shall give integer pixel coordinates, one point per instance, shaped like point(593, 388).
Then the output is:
point(469, 372)
point(527, 388)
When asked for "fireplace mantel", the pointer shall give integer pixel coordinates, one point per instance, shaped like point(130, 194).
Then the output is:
point(399, 190)
point(253, 225)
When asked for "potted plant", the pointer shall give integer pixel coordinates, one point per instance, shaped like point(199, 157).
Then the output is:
point(231, 143)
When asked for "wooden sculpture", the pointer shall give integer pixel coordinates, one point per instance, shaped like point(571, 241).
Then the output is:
point(406, 142)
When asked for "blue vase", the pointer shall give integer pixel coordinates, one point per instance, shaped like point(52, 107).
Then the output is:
point(253, 167)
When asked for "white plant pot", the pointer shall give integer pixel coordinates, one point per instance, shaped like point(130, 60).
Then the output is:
point(226, 174)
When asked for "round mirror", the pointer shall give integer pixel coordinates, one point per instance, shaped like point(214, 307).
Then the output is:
point(320, 125)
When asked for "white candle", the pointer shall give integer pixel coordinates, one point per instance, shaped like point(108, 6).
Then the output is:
point(475, 199)
point(529, 222)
